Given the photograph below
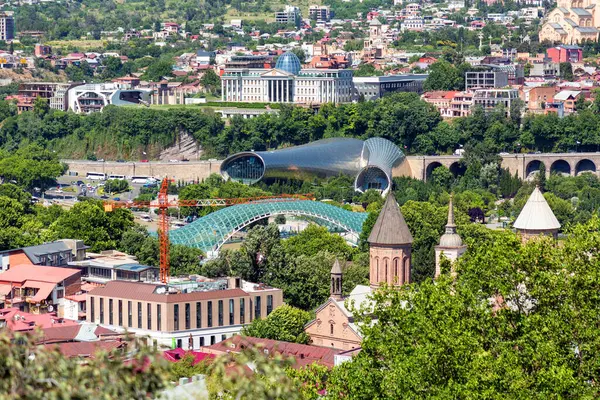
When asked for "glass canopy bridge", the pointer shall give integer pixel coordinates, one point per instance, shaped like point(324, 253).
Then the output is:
point(210, 232)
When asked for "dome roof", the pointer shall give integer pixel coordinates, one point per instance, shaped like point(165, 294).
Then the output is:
point(451, 240)
point(288, 62)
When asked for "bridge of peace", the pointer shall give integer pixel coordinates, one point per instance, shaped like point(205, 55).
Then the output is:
point(418, 167)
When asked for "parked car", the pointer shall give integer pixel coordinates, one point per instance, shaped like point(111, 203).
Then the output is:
point(144, 161)
point(117, 199)
point(120, 160)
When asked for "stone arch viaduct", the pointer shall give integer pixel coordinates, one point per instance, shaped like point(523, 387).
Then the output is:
point(419, 167)
point(524, 165)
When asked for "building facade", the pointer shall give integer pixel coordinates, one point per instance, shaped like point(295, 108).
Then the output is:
point(451, 245)
point(94, 97)
point(290, 15)
point(190, 315)
point(573, 21)
point(390, 246)
point(485, 79)
point(375, 87)
point(489, 99)
point(320, 13)
point(287, 83)
point(563, 53)
point(7, 26)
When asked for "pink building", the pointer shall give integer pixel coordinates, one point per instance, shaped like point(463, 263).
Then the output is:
point(564, 53)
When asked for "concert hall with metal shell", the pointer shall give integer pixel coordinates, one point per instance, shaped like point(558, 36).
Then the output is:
point(369, 162)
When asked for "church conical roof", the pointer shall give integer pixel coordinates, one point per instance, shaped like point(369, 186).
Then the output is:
point(336, 269)
point(390, 227)
point(537, 214)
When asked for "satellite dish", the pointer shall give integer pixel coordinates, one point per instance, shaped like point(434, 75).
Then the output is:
point(50, 308)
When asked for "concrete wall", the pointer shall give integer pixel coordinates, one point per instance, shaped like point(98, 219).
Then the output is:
point(186, 171)
point(418, 167)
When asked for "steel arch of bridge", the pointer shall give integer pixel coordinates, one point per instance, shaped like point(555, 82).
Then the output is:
point(210, 232)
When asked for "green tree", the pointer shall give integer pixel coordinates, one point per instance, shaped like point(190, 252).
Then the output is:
point(566, 71)
point(88, 221)
point(524, 311)
point(158, 70)
point(442, 76)
point(284, 323)
point(40, 372)
point(315, 239)
point(365, 69)
point(186, 368)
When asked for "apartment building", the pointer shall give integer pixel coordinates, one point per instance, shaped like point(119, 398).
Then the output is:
point(461, 104)
point(489, 99)
point(442, 100)
point(7, 26)
point(186, 315)
point(320, 13)
point(485, 79)
point(290, 15)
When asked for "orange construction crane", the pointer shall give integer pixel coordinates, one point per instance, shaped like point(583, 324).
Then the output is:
point(163, 206)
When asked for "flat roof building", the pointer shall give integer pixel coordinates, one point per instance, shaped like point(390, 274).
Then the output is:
point(375, 87)
point(187, 314)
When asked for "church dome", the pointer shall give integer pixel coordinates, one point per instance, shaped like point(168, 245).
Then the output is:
point(451, 240)
point(288, 62)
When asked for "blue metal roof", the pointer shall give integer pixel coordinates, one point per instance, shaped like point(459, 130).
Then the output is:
point(289, 62)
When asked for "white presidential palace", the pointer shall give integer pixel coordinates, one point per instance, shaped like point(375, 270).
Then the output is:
point(287, 83)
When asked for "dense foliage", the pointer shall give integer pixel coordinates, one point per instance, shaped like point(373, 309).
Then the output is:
point(523, 312)
point(284, 323)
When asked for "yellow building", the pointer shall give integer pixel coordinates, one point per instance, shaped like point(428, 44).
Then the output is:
point(573, 21)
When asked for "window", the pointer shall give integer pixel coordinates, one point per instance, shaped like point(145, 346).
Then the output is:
point(149, 320)
point(242, 311)
point(179, 344)
point(176, 316)
point(257, 307)
point(223, 337)
point(331, 329)
point(158, 318)
point(101, 310)
point(187, 316)
point(201, 341)
point(129, 315)
point(210, 310)
point(198, 315)
point(139, 315)
point(120, 311)
point(231, 322)
point(212, 340)
point(220, 312)
point(270, 302)
point(93, 309)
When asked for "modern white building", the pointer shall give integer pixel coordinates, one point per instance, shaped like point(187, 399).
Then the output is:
point(94, 97)
point(287, 83)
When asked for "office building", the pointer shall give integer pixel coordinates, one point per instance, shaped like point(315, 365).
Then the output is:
point(320, 13)
point(94, 97)
point(7, 26)
point(287, 83)
point(374, 87)
point(188, 314)
point(485, 79)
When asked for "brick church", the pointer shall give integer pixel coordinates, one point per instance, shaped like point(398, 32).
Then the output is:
point(390, 246)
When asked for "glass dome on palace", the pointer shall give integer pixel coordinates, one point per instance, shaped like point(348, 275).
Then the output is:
point(288, 62)
point(370, 162)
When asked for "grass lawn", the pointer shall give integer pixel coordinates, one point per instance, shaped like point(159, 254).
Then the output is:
point(80, 44)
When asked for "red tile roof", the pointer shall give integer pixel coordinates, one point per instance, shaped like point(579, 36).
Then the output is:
point(178, 354)
point(58, 334)
point(145, 292)
point(20, 321)
point(21, 273)
point(304, 354)
point(87, 349)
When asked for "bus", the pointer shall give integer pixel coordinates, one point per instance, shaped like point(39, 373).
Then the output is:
point(139, 179)
point(116, 177)
point(96, 176)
